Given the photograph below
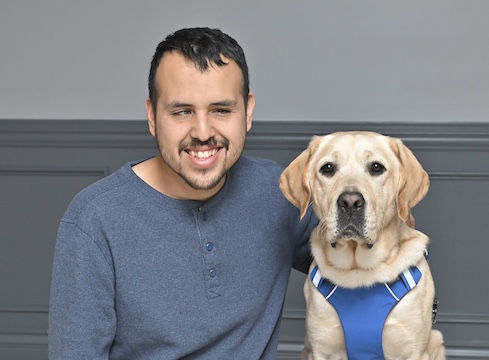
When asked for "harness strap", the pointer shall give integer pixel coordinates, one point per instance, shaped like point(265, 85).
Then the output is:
point(363, 311)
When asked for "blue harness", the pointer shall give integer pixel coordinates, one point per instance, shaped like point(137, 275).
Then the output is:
point(363, 311)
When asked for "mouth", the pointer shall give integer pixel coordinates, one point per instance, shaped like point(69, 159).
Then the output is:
point(350, 229)
point(204, 151)
point(203, 158)
point(352, 232)
point(202, 155)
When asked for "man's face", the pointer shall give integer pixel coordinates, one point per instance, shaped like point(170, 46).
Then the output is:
point(200, 122)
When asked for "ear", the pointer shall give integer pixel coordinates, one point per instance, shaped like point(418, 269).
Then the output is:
point(150, 113)
point(413, 181)
point(294, 181)
point(249, 111)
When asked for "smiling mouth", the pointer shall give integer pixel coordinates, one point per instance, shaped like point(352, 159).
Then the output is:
point(203, 154)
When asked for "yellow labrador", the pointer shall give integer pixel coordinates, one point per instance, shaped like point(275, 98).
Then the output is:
point(369, 263)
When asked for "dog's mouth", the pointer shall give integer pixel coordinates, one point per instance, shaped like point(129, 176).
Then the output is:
point(352, 232)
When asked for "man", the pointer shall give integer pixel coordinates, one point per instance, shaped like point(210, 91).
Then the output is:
point(186, 254)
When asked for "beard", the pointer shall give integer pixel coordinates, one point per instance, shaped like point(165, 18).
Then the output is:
point(203, 179)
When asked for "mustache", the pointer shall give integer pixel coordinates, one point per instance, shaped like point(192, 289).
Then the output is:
point(212, 142)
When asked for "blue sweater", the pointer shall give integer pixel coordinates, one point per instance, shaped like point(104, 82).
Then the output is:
point(138, 275)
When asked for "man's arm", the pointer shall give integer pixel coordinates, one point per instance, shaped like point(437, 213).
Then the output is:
point(82, 318)
point(302, 232)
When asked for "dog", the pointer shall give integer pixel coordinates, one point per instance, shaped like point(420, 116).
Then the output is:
point(366, 253)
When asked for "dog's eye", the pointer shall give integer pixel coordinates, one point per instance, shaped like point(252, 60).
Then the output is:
point(376, 168)
point(328, 169)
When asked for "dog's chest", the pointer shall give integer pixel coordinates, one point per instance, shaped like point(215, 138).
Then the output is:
point(363, 311)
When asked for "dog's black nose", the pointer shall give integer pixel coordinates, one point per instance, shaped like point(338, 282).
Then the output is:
point(351, 201)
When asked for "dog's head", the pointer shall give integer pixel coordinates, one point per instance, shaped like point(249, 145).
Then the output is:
point(358, 184)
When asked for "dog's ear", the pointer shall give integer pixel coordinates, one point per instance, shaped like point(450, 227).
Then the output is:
point(294, 181)
point(413, 181)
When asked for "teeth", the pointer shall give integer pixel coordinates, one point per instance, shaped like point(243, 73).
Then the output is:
point(202, 154)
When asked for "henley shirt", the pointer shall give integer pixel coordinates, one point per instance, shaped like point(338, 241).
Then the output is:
point(138, 275)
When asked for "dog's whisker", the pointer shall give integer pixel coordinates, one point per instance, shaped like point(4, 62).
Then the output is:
point(322, 227)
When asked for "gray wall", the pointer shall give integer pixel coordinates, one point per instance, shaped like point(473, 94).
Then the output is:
point(380, 60)
point(44, 163)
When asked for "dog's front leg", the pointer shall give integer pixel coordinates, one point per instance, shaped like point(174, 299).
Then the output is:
point(307, 353)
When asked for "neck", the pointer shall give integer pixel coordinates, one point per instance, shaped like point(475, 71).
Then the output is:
point(391, 254)
point(156, 173)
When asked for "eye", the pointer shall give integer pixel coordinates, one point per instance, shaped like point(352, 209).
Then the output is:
point(376, 169)
point(222, 111)
point(328, 169)
point(182, 112)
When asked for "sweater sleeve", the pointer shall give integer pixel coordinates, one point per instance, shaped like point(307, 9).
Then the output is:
point(302, 232)
point(82, 319)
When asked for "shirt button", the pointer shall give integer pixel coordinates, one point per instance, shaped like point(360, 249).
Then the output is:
point(209, 246)
point(212, 272)
point(204, 216)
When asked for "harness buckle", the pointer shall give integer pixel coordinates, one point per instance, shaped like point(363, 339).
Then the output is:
point(435, 310)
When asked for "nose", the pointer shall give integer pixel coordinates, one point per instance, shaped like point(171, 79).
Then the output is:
point(350, 201)
point(202, 127)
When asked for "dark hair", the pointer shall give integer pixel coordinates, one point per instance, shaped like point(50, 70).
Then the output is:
point(202, 46)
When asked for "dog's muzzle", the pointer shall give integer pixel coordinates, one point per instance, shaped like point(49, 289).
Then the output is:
point(351, 214)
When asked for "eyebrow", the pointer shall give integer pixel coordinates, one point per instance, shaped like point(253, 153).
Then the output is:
point(229, 103)
point(177, 104)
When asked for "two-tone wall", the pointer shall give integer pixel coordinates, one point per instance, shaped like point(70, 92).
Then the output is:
point(415, 69)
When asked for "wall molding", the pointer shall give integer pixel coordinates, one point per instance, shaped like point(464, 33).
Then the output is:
point(53, 171)
point(427, 135)
point(464, 176)
point(263, 135)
